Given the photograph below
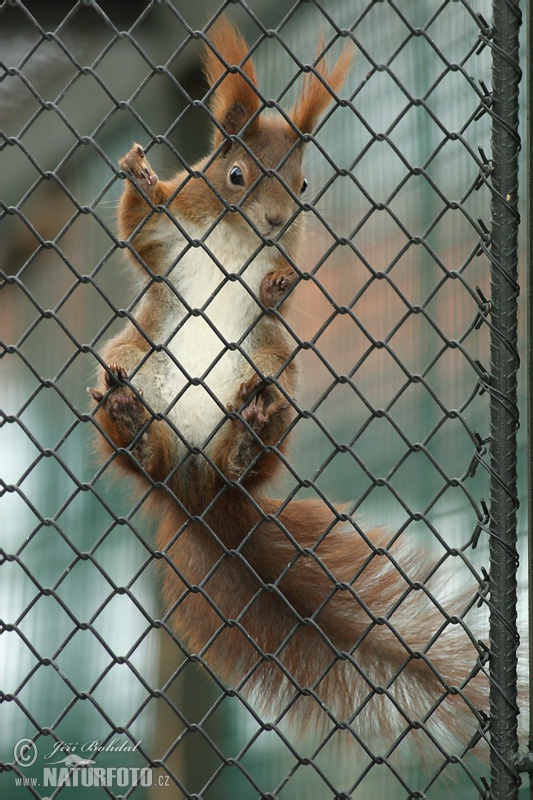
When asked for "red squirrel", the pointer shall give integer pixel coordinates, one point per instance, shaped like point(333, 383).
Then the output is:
point(292, 603)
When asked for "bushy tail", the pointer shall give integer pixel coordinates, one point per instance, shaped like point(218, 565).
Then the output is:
point(315, 621)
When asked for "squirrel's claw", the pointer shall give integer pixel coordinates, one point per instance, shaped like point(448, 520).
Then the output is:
point(114, 374)
point(135, 165)
point(95, 394)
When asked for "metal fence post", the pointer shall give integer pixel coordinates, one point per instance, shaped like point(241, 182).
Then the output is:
point(529, 189)
point(504, 414)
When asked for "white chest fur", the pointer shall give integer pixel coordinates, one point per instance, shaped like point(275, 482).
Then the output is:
point(210, 334)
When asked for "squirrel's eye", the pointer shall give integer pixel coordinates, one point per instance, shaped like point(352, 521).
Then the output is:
point(304, 186)
point(236, 176)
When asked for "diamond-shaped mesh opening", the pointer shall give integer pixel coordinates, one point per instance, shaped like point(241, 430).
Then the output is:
point(168, 628)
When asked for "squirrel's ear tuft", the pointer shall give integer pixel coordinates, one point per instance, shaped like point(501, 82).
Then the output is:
point(234, 99)
point(320, 87)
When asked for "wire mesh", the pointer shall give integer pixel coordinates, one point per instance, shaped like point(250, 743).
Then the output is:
point(392, 321)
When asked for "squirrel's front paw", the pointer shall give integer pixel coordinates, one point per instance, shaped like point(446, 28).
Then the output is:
point(135, 165)
point(121, 403)
point(275, 285)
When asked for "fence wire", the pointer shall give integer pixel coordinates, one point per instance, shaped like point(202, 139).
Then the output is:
point(405, 326)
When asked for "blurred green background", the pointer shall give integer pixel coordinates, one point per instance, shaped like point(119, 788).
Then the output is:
point(81, 656)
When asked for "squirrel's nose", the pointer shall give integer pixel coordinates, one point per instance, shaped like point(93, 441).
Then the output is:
point(276, 220)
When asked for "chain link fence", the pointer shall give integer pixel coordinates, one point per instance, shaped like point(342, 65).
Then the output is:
point(404, 322)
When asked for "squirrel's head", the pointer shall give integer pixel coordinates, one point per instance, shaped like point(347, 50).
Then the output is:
point(256, 165)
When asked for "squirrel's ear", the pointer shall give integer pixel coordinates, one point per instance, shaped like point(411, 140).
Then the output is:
point(234, 99)
point(319, 88)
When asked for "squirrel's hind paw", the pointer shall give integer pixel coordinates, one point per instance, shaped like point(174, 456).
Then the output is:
point(263, 403)
point(121, 402)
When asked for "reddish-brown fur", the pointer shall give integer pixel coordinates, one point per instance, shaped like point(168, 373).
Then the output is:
point(234, 94)
point(319, 89)
point(291, 603)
